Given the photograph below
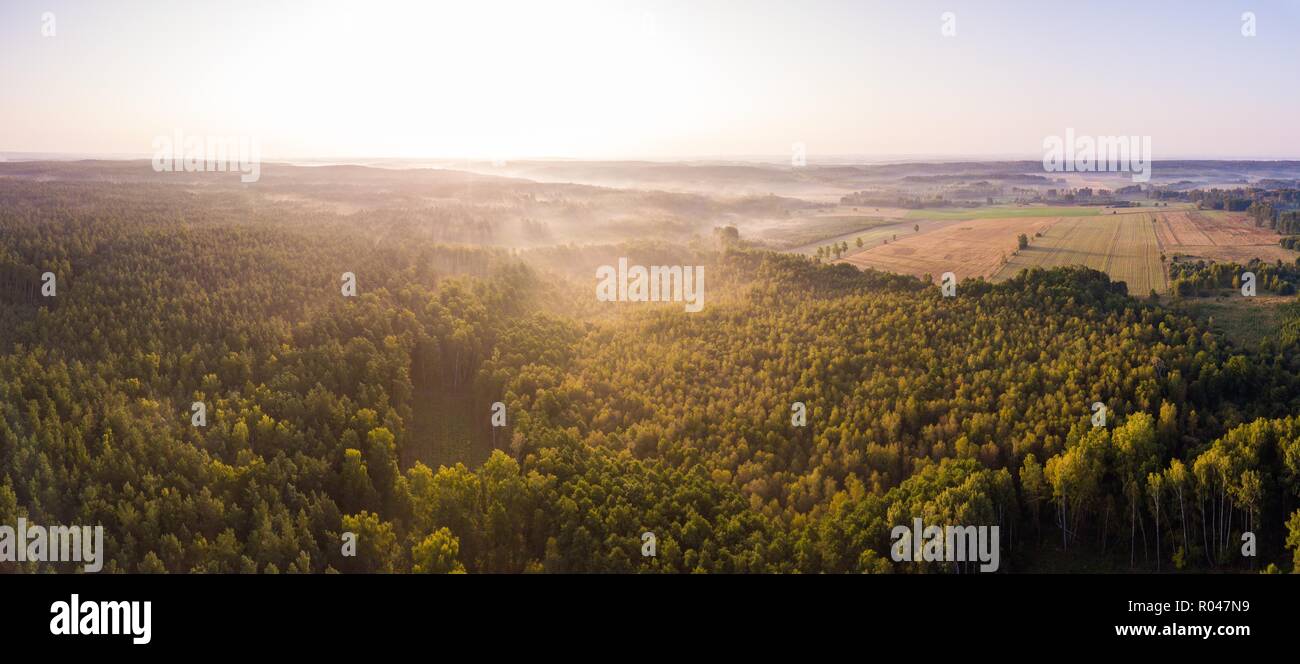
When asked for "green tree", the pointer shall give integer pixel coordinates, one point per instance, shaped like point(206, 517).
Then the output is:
point(437, 554)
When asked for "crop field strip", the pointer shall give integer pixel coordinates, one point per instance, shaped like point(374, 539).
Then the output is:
point(1142, 256)
point(1149, 243)
point(1218, 236)
point(1180, 229)
point(1124, 246)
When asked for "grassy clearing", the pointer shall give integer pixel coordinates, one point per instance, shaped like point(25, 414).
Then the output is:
point(1245, 321)
point(442, 433)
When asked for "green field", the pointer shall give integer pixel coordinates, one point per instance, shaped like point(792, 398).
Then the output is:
point(1003, 211)
point(1123, 246)
point(821, 230)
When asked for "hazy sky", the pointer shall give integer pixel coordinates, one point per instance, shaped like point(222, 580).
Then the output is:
point(607, 79)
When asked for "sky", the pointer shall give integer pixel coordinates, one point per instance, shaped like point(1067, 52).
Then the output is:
point(498, 79)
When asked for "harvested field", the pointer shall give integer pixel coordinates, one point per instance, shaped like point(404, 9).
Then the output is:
point(1122, 245)
point(1220, 236)
point(1126, 245)
point(970, 248)
point(1179, 229)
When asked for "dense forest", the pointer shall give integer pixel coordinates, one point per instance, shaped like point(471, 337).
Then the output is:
point(329, 414)
point(1201, 277)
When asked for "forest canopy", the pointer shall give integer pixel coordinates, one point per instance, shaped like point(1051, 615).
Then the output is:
point(372, 415)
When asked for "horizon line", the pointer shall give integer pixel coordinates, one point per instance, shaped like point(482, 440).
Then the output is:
point(811, 160)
